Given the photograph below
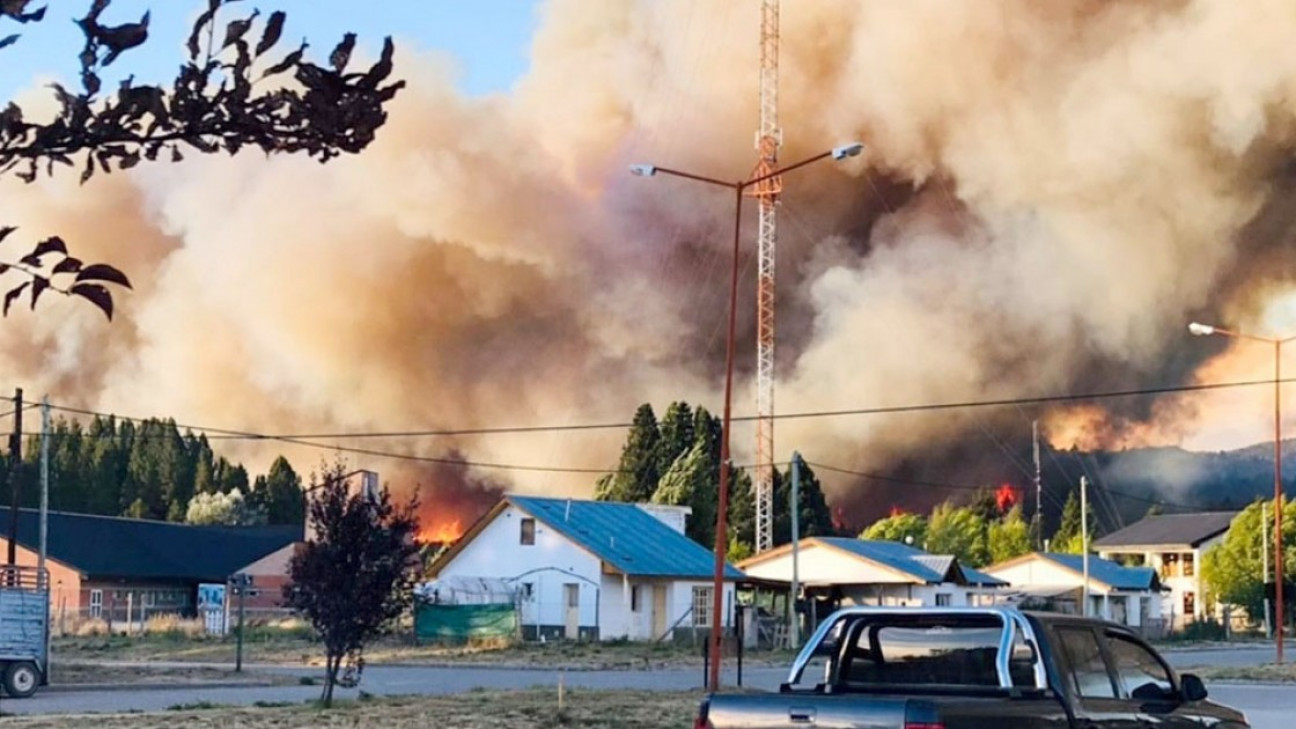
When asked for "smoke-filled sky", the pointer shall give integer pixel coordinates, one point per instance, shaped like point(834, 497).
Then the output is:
point(1051, 191)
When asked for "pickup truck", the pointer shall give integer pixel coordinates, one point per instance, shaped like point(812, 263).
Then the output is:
point(949, 668)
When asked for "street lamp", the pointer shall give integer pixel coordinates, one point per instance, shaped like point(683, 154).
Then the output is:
point(722, 538)
point(1204, 330)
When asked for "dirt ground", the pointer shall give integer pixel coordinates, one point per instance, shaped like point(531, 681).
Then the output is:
point(302, 651)
point(1266, 673)
point(473, 710)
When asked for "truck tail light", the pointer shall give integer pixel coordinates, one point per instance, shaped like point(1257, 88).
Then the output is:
point(922, 715)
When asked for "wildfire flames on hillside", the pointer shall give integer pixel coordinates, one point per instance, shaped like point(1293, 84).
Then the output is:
point(1050, 192)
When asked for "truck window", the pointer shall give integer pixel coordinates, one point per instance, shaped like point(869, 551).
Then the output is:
point(1088, 670)
point(956, 653)
point(1141, 675)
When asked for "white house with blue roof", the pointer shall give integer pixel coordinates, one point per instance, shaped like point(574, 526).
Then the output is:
point(593, 570)
point(1127, 595)
point(847, 571)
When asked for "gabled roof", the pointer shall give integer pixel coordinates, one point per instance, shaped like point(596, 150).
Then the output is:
point(1112, 574)
point(627, 538)
point(981, 579)
point(116, 547)
point(901, 558)
point(1169, 530)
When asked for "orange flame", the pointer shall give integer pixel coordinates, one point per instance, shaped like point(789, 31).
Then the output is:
point(898, 510)
point(442, 533)
point(1006, 497)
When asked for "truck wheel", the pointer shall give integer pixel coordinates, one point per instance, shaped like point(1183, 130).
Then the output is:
point(21, 679)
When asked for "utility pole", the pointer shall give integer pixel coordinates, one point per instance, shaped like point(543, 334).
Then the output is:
point(15, 467)
point(41, 574)
point(1084, 542)
point(1264, 564)
point(794, 629)
point(1039, 511)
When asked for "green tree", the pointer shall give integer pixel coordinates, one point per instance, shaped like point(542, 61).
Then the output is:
point(353, 578)
point(692, 481)
point(957, 530)
point(230, 509)
point(283, 499)
point(1231, 569)
point(636, 476)
point(1069, 538)
point(815, 516)
point(742, 511)
point(676, 436)
point(904, 527)
point(1008, 537)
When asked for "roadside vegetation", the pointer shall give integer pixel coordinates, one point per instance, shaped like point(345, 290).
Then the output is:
point(471, 710)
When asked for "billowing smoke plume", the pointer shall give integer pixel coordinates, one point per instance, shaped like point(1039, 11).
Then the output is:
point(1050, 192)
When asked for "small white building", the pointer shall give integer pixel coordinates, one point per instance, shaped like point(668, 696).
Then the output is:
point(1126, 595)
point(847, 572)
point(593, 570)
point(1173, 545)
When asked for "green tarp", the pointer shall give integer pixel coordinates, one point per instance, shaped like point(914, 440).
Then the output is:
point(461, 623)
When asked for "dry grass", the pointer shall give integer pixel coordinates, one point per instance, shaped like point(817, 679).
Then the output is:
point(472, 710)
point(1268, 672)
point(288, 644)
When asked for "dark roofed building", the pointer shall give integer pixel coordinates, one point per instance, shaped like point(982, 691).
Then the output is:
point(1173, 545)
point(105, 566)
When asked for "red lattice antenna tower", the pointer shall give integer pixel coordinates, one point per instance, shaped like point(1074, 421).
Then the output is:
point(768, 139)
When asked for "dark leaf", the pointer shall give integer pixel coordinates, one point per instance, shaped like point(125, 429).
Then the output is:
point(273, 29)
point(341, 55)
point(68, 265)
point(13, 294)
point(5, 231)
point(292, 59)
point(103, 272)
point(88, 172)
point(235, 31)
point(383, 68)
point(4, 268)
point(53, 244)
point(95, 294)
point(200, 26)
point(123, 37)
point(8, 40)
point(39, 284)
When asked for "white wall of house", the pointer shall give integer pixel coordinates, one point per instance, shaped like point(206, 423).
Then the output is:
point(945, 594)
point(1040, 575)
point(821, 564)
point(1179, 569)
point(644, 622)
point(548, 565)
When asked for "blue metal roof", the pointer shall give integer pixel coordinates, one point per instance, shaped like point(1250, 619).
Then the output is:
point(897, 556)
point(626, 537)
point(977, 577)
point(1106, 571)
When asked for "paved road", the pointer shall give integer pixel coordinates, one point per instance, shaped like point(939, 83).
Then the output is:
point(1269, 707)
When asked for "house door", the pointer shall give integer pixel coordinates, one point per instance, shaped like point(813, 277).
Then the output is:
point(571, 599)
point(658, 611)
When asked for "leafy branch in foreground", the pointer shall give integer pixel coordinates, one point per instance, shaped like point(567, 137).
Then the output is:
point(226, 96)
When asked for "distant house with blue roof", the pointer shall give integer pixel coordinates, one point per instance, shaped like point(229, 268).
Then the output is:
point(592, 569)
point(838, 571)
point(1127, 595)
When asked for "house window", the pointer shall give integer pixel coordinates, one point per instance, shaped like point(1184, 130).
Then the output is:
point(527, 590)
point(96, 603)
point(942, 599)
point(528, 531)
point(1170, 565)
point(634, 598)
point(1188, 566)
point(702, 599)
point(1190, 603)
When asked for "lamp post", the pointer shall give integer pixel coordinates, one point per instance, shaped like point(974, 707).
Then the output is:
point(722, 538)
point(1203, 330)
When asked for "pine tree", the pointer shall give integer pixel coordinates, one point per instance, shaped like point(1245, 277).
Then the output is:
point(816, 517)
point(636, 476)
point(285, 501)
point(692, 481)
point(1067, 538)
point(676, 436)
